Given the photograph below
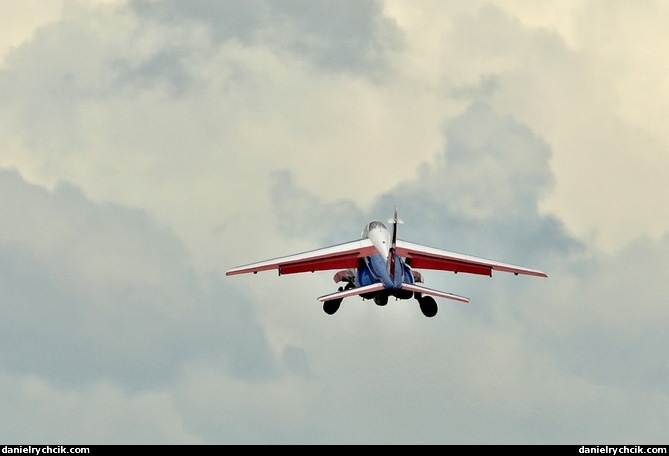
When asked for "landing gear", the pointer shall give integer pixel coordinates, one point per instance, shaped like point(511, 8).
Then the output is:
point(381, 299)
point(330, 307)
point(428, 306)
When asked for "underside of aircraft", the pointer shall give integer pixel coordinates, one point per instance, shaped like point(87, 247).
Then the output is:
point(427, 303)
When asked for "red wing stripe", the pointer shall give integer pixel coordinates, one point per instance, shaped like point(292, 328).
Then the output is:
point(320, 264)
point(418, 261)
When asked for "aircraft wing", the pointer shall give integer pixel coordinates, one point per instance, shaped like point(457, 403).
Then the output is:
point(429, 291)
point(379, 286)
point(340, 256)
point(422, 257)
point(352, 292)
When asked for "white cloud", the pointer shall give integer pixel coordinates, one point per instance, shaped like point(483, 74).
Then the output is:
point(20, 18)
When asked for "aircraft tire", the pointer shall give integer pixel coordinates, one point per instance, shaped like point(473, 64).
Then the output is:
point(381, 300)
point(330, 307)
point(428, 306)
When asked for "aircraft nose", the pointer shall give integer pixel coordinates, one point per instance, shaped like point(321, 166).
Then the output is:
point(381, 240)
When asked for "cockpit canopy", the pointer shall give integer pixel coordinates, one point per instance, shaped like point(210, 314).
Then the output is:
point(372, 225)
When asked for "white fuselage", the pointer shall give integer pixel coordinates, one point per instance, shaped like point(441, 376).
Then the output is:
point(380, 236)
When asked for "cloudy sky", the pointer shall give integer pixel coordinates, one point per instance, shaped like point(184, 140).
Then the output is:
point(147, 146)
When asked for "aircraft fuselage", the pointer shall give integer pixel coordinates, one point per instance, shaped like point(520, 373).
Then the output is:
point(386, 266)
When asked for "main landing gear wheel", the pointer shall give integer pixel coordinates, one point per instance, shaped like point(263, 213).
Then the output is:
point(330, 307)
point(428, 306)
point(381, 300)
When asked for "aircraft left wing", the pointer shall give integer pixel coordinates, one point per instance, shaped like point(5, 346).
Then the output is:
point(352, 292)
point(379, 286)
point(340, 256)
point(423, 257)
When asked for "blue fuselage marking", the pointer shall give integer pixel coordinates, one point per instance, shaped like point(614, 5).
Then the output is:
point(375, 269)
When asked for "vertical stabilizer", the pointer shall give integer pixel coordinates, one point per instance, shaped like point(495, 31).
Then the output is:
point(395, 221)
point(391, 254)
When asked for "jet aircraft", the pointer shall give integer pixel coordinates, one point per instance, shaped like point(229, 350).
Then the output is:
point(378, 265)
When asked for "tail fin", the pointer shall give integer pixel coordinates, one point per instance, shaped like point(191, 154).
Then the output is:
point(394, 221)
point(391, 254)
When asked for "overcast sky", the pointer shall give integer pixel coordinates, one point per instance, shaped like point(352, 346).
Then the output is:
point(147, 146)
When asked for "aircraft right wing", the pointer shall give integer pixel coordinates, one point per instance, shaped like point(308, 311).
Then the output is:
point(422, 257)
point(340, 256)
point(429, 291)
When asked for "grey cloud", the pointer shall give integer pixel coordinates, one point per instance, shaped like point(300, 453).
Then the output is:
point(228, 19)
point(300, 214)
point(350, 36)
point(45, 80)
point(69, 68)
point(98, 291)
point(48, 82)
point(485, 87)
point(166, 67)
point(618, 319)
